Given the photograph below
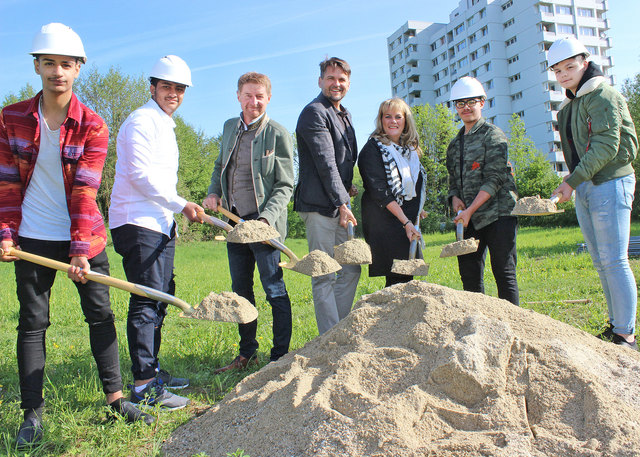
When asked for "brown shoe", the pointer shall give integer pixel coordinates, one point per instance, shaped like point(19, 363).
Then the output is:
point(239, 363)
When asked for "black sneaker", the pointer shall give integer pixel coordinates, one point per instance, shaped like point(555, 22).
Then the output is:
point(154, 394)
point(620, 341)
point(607, 333)
point(171, 382)
point(30, 433)
point(128, 411)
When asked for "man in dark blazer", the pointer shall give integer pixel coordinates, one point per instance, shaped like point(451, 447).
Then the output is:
point(327, 153)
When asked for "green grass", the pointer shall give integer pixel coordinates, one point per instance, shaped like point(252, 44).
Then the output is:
point(548, 271)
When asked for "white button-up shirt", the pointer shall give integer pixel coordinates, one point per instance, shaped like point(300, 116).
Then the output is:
point(144, 191)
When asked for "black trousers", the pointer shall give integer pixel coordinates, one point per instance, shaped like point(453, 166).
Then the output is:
point(33, 284)
point(500, 238)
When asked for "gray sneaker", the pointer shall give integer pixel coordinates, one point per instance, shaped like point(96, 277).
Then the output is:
point(156, 395)
point(171, 382)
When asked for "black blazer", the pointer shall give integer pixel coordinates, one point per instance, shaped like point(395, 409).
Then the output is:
point(326, 158)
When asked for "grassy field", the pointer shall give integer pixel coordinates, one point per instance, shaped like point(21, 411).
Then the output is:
point(549, 272)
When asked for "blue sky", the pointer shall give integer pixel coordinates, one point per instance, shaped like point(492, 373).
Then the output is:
point(285, 39)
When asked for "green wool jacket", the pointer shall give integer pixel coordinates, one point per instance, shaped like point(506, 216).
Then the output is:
point(603, 133)
point(485, 167)
point(271, 168)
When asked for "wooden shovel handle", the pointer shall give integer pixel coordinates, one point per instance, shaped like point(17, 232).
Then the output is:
point(136, 289)
point(235, 218)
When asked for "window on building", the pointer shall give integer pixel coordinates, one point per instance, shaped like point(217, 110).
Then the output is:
point(474, 73)
point(445, 72)
point(513, 59)
point(514, 78)
point(543, 66)
point(395, 90)
point(564, 28)
point(509, 23)
point(462, 62)
point(459, 29)
point(474, 2)
point(436, 77)
point(487, 66)
point(545, 8)
point(592, 50)
point(511, 41)
point(489, 84)
point(434, 62)
point(484, 30)
point(585, 12)
point(587, 31)
point(492, 120)
point(562, 9)
point(438, 92)
point(517, 96)
point(507, 5)
point(433, 46)
point(520, 114)
point(472, 38)
point(401, 70)
point(471, 20)
point(485, 49)
point(474, 55)
point(492, 102)
point(460, 46)
point(482, 13)
point(394, 75)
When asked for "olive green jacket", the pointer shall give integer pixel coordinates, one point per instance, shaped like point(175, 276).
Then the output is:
point(271, 168)
point(485, 167)
point(603, 133)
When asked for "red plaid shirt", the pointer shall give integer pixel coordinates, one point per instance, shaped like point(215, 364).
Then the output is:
point(84, 137)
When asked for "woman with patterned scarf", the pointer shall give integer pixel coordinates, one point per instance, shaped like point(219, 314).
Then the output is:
point(394, 188)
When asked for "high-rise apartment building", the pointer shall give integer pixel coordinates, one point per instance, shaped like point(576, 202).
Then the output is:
point(504, 44)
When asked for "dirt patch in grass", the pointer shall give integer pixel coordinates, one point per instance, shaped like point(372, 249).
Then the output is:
point(419, 369)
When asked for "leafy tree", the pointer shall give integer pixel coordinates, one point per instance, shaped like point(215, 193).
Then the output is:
point(436, 128)
point(533, 174)
point(631, 91)
point(23, 94)
point(113, 96)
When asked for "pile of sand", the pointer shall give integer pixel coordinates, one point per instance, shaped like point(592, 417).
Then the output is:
point(252, 232)
point(317, 263)
point(460, 247)
point(352, 252)
point(414, 267)
point(422, 370)
point(225, 307)
point(534, 205)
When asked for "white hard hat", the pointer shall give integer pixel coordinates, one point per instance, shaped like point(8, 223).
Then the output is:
point(565, 48)
point(172, 68)
point(58, 39)
point(467, 87)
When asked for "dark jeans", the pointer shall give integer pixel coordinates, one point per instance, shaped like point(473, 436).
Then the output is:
point(500, 238)
point(242, 261)
point(33, 284)
point(147, 258)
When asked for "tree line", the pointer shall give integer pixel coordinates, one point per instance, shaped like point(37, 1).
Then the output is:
point(114, 95)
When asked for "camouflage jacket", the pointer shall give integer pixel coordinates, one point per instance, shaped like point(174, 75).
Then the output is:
point(485, 167)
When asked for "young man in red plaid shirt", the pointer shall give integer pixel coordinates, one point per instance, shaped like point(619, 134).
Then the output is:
point(52, 150)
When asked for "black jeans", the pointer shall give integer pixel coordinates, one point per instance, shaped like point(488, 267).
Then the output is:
point(242, 261)
point(500, 238)
point(147, 258)
point(33, 284)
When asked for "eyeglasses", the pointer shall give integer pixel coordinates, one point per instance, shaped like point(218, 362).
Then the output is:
point(470, 103)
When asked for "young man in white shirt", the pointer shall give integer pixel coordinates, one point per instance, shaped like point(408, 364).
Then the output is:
point(143, 201)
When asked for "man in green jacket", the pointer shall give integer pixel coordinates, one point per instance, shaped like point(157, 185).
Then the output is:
point(483, 191)
point(599, 143)
point(253, 178)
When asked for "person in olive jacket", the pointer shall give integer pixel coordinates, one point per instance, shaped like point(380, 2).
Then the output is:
point(483, 191)
point(253, 178)
point(599, 143)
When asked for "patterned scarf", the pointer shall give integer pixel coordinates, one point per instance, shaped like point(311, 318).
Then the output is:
point(402, 166)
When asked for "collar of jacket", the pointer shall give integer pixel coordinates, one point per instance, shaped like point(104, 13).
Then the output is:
point(479, 123)
point(74, 112)
point(588, 86)
point(260, 124)
point(329, 104)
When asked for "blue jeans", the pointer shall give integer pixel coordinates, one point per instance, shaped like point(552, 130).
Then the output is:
point(147, 258)
point(604, 215)
point(242, 261)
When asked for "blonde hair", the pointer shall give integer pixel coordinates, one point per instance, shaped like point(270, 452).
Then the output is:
point(409, 136)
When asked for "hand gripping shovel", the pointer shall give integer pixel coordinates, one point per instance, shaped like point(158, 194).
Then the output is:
point(461, 246)
point(536, 206)
point(136, 289)
point(352, 251)
point(316, 263)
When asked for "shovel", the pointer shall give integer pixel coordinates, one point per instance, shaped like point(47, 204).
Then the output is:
point(413, 266)
point(352, 251)
point(536, 206)
point(130, 287)
point(324, 264)
point(461, 246)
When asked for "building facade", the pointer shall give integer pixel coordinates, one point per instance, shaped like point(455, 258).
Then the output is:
point(504, 44)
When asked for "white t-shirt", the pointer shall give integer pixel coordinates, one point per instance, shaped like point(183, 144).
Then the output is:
point(45, 215)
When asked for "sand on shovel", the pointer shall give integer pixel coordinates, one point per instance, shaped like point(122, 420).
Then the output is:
point(352, 252)
point(252, 232)
point(413, 267)
point(531, 206)
point(417, 370)
point(225, 307)
point(316, 263)
point(460, 247)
